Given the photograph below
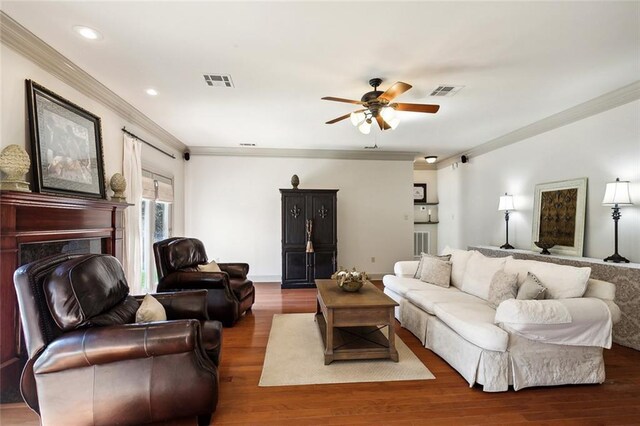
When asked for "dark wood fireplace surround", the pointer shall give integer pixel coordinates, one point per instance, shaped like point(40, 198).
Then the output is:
point(29, 218)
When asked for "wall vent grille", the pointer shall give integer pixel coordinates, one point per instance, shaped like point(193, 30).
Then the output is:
point(421, 243)
point(446, 90)
point(247, 144)
point(218, 80)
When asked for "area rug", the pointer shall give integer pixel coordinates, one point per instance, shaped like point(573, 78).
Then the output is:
point(295, 356)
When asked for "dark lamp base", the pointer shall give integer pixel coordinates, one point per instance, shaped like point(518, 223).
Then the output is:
point(616, 258)
point(507, 246)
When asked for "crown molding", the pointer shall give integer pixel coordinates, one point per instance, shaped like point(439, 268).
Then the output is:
point(304, 153)
point(18, 38)
point(610, 100)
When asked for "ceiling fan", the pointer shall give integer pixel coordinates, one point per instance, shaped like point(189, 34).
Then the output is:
point(378, 106)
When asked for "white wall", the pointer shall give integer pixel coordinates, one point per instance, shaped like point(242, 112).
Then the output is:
point(601, 148)
point(233, 206)
point(14, 123)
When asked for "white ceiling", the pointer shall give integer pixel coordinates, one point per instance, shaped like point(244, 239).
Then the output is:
point(519, 62)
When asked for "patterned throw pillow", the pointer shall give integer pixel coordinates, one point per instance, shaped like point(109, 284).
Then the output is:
point(531, 289)
point(418, 273)
point(503, 286)
point(436, 271)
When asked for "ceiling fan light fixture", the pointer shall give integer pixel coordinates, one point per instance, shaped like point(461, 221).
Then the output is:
point(357, 118)
point(365, 126)
point(388, 114)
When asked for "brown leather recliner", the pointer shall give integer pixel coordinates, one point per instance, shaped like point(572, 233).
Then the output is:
point(90, 364)
point(230, 293)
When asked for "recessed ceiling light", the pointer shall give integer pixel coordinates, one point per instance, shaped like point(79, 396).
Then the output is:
point(152, 92)
point(88, 33)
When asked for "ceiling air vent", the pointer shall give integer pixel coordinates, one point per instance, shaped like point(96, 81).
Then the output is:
point(247, 144)
point(218, 80)
point(446, 90)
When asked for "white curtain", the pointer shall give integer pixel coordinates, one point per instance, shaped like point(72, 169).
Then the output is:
point(132, 171)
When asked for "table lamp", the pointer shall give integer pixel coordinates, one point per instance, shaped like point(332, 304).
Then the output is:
point(506, 204)
point(616, 195)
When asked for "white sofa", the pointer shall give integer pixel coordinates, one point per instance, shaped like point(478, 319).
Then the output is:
point(523, 343)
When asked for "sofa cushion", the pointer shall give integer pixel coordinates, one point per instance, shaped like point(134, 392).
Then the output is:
point(601, 289)
point(459, 259)
point(561, 281)
point(479, 272)
point(436, 271)
point(150, 310)
point(503, 287)
point(402, 285)
point(426, 259)
point(428, 297)
point(474, 322)
point(185, 253)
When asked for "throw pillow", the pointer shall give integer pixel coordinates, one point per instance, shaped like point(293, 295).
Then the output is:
point(209, 267)
point(531, 289)
point(418, 273)
point(150, 310)
point(503, 287)
point(436, 271)
point(561, 281)
point(479, 272)
point(459, 259)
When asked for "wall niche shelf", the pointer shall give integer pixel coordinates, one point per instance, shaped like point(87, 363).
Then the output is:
point(426, 223)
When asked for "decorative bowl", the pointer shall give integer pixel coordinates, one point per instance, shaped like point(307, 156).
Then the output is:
point(545, 245)
point(350, 281)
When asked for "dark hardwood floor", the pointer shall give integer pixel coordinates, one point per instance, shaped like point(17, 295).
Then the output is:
point(445, 400)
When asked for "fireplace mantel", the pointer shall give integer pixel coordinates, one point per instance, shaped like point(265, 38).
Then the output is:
point(28, 218)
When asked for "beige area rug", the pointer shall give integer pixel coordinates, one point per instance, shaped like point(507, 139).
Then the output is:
point(295, 356)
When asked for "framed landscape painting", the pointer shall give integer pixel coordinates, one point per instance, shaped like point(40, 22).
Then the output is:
point(66, 145)
point(559, 215)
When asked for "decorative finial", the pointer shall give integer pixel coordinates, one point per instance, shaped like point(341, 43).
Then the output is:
point(118, 184)
point(14, 163)
point(295, 181)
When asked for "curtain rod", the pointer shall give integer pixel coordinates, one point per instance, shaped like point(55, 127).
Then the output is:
point(124, 129)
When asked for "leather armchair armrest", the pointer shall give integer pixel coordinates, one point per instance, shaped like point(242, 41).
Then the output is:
point(104, 345)
point(235, 270)
point(183, 304)
point(183, 280)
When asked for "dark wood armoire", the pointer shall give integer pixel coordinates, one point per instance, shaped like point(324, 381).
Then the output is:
point(317, 209)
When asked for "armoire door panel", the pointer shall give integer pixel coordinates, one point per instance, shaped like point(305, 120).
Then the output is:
point(323, 214)
point(295, 266)
point(294, 221)
point(323, 264)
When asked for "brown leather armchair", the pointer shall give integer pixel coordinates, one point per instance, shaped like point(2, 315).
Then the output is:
point(230, 293)
point(89, 363)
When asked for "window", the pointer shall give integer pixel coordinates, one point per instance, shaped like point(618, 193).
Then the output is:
point(156, 210)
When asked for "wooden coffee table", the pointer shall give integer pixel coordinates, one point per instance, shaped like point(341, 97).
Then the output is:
point(351, 323)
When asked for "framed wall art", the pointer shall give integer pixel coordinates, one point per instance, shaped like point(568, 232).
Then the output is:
point(559, 215)
point(419, 193)
point(66, 145)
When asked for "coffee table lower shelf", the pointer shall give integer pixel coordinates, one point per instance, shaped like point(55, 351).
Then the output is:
point(353, 343)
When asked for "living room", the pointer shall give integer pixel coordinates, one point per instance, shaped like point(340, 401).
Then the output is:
point(542, 93)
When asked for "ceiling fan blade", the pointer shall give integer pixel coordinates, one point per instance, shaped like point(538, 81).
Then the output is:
point(349, 101)
point(416, 107)
point(342, 117)
point(394, 91)
point(383, 124)
point(335, 120)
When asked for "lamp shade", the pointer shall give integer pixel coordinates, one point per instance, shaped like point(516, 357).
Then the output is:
point(506, 202)
point(365, 127)
point(617, 193)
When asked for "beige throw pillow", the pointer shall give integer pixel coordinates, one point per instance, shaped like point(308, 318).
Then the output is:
point(209, 267)
point(150, 310)
point(418, 273)
point(503, 287)
point(436, 271)
point(531, 289)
